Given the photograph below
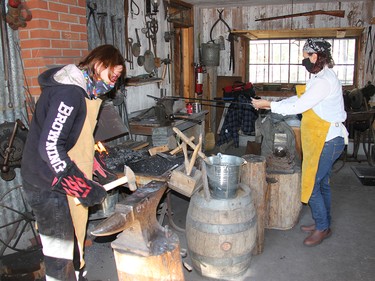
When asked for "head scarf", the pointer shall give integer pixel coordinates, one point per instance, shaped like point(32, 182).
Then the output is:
point(316, 45)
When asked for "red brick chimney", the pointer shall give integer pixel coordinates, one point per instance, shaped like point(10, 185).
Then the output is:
point(56, 35)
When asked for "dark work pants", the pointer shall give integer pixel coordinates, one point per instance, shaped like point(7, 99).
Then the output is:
point(56, 231)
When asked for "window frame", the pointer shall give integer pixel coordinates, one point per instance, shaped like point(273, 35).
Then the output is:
point(277, 64)
point(332, 32)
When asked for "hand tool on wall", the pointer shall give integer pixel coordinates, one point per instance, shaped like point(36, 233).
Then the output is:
point(11, 147)
point(92, 10)
point(129, 55)
point(132, 6)
point(136, 47)
point(114, 31)
point(231, 38)
point(369, 43)
point(126, 31)
point(129, 178)
point(102, 28)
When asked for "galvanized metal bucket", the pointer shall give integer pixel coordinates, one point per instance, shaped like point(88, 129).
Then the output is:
point(211, 54)
point(223, 173)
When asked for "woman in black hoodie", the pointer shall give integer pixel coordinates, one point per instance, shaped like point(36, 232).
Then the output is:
point(58, 157)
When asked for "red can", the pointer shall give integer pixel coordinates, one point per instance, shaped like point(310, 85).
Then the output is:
point(189, 108)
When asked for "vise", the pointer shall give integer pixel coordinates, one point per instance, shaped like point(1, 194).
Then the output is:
point(143, 246)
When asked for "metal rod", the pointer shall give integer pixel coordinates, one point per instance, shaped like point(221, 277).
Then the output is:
point(199, 99)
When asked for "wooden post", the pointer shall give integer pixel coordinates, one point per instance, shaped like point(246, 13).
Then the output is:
point(165, 264)
point(284, 204)
point(253, 174)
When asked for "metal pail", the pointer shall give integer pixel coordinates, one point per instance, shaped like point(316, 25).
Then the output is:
point(223, 173)
point(211, 54)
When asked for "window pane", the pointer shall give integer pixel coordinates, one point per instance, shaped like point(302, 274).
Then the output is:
point(258, 73)
point(279, 52)
point(279, 74)
point(259, 51)
point(296, 47)
point(343, 51)
point(298, 74)
point(345, 74)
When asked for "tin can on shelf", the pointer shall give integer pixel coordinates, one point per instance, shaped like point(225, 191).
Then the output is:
point(197, 107)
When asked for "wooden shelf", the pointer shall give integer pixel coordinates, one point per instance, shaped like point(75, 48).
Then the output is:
point(141, 81)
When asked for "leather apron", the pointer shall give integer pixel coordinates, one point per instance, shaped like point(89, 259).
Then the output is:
point(83, 155)
point(314, 131)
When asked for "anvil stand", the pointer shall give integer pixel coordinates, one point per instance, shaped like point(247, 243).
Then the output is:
point(144, 250)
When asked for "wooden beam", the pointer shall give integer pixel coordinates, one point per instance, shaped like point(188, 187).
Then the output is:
point(299, 33)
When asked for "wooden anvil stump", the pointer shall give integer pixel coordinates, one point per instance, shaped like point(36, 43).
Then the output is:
point(144, 250)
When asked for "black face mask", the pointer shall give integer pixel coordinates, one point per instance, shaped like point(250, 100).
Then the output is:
point(308, 64)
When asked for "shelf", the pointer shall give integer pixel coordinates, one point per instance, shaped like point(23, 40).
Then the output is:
point(141, 81)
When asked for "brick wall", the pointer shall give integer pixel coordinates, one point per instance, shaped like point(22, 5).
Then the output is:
point(56, 35)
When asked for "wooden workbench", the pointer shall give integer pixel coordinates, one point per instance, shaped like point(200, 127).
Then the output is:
point(160, 135)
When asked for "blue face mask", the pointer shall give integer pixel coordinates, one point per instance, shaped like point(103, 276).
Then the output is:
point(96, 87)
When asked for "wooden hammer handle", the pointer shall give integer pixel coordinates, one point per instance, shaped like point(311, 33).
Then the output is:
point(109, 186)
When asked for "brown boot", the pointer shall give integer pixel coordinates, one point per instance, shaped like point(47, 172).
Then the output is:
point(317, 237)
point(308, 228)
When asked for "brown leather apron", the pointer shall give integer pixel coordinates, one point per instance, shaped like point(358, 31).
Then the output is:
point(83, 155)
point(314, 131)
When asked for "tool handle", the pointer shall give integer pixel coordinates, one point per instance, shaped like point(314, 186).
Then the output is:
point(179, 148)
point(109, 186)
point(194, 156)
point(188, 141)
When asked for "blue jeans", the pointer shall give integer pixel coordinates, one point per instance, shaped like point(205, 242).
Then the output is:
point(320, 200)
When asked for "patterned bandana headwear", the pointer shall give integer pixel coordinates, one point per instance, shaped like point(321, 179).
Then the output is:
point(315, 45)
point(96, 88)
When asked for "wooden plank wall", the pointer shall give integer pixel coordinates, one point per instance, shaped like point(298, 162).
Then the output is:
point(358, 13)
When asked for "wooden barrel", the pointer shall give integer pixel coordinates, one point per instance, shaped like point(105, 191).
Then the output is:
point(221, 233)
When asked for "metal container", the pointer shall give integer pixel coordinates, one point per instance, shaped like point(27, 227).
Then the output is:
point(211, 54)
point(223, 173)
point(197, 107)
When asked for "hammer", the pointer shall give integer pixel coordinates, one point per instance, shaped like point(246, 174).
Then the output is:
point(128, 178)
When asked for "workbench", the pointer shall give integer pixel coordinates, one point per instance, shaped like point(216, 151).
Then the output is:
point(161, 135)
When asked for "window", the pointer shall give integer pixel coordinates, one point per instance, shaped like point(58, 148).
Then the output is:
point(279, 60)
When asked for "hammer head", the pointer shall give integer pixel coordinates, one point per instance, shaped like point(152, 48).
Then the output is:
point(131, 178)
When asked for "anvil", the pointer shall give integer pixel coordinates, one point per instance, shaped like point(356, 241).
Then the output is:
point(136, 218)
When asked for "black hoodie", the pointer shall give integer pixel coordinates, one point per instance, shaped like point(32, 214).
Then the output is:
point(55, 127)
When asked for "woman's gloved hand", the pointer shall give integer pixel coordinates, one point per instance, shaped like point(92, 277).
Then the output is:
point(74, 183)
point(101, 171)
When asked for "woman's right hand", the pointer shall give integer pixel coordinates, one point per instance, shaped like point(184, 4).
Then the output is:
point(260, 104)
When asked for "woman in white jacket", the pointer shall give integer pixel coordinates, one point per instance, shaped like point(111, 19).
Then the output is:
point(323, 133)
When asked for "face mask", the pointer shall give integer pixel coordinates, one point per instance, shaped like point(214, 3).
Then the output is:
point(96, 87)
point(308, 64)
